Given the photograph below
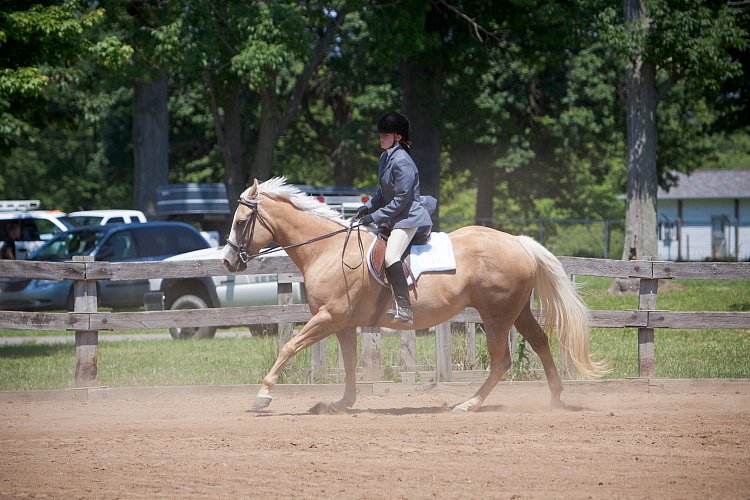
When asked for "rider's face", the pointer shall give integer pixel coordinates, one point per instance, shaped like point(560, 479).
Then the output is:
point(389, 140)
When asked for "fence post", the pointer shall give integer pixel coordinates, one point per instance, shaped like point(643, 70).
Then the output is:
point(471, 344)
point(646, 301)
point(443, 359)
point(284, 298)
point(408, 349)
point(87, 341)
point(371, 356)
point(320, 360)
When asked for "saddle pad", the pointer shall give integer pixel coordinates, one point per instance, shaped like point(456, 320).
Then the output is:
point(434, 256)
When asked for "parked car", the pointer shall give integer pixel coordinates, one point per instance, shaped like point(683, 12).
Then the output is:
point(37, 226)
point(215, 291)
point(104, 217)
point(115, 243)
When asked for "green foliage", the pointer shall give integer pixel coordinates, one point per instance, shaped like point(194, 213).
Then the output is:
point(533, 92)
point(585, 240)
point(729, 151)
point(38, 49)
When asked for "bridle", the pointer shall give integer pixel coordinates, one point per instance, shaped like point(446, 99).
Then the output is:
point(243, 251)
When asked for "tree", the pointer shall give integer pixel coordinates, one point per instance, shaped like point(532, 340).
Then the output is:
point(533, 115)
point(39, 44)
point(667, 42)
point(150, 81)
point(51, 55)
point(255, 61)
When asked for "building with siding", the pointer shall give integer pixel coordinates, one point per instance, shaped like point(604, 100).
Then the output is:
point(705, 216)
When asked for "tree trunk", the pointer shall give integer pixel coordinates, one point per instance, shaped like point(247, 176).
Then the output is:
point(422, 106)
point(342, 108)
point(150, 140)
point(275, 121)
point(485, 196)
point(228, 135)
point(268, 134)
point(640, 219)
point(235, 175)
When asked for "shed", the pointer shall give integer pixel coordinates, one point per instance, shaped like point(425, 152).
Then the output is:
point(705, 216)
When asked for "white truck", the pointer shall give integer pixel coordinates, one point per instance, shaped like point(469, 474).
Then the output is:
point(216, 291)
point(37, 226)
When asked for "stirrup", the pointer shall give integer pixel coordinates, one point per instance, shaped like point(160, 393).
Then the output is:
point(402, 314)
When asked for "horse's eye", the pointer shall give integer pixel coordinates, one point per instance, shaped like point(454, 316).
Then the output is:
point(240, 223)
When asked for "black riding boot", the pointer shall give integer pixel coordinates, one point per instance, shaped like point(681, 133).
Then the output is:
point(397, 279)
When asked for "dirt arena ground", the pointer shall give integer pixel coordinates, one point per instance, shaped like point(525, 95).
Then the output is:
point(622, 439)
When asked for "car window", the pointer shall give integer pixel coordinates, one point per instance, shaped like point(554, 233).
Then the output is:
point(157, 241)
point(29, 230)
point(69, 244)
point(115, 220)
point(46, 229)
point(83, 220)
point(118, 247)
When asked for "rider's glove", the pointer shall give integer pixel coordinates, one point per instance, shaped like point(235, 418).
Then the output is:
point(367, 219)
point(361, 212)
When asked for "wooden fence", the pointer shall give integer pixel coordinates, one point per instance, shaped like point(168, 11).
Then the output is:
point(86, 321)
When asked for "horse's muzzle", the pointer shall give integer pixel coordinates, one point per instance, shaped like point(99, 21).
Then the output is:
point(234, 266)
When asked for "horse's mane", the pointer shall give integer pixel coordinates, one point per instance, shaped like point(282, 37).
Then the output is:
point(277, 187)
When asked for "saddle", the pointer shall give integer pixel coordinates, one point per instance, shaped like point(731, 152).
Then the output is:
point(377, 260)
point(427, 252)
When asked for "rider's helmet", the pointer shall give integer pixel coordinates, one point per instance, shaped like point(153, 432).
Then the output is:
point(394, 123)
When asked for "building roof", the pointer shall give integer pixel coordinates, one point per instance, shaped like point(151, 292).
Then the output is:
point(709, 184)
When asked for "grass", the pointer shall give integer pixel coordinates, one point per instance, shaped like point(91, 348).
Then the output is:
point(678, 353)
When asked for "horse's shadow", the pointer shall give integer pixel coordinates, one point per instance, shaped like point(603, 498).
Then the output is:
point(328, 408)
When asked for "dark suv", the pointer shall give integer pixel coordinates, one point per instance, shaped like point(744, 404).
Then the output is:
point(115, 243)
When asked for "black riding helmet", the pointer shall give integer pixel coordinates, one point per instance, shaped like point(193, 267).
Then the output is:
point(394, 123)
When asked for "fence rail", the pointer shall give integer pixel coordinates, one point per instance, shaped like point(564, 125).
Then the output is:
point(86, 321)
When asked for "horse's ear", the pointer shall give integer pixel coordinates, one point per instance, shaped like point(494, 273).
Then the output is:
point(253, 189)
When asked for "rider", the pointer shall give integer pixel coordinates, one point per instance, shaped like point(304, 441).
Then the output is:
point(398, 206)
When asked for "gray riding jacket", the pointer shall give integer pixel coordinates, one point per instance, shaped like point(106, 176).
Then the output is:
point(398, 202)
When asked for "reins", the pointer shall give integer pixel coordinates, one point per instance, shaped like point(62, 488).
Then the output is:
point(245, 256)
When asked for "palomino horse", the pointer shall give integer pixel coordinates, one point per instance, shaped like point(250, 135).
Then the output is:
point(495, 274)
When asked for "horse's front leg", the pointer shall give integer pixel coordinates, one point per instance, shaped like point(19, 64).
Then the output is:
point(319, 327)
point(348, 344)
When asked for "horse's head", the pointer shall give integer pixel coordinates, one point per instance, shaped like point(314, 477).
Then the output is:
point(249, 231)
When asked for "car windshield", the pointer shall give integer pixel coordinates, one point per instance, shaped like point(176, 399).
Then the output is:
point(69, 244)
point(82, 220)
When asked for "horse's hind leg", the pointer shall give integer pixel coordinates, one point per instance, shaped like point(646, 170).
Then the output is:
point(500, 362)
point(348, 344)
point(528, 326)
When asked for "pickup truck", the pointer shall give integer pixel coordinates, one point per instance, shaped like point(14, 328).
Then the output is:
point(216, 291)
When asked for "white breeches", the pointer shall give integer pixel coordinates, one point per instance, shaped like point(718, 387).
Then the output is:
point(397, 243)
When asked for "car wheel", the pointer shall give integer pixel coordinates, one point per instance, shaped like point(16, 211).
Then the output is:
point(271, 329)
point(200, 332)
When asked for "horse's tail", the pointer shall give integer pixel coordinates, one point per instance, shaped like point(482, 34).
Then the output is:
point(563, 309)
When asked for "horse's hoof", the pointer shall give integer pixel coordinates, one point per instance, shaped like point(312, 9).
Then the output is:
point(324, 408)
point(343, 405)
point(465, 407)
point(261, 403)
point(557, 405)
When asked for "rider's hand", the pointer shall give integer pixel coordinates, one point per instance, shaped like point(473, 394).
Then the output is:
point(361, 212)
point(367, 219)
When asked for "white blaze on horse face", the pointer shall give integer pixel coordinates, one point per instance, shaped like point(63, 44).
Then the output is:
point(228, 254)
